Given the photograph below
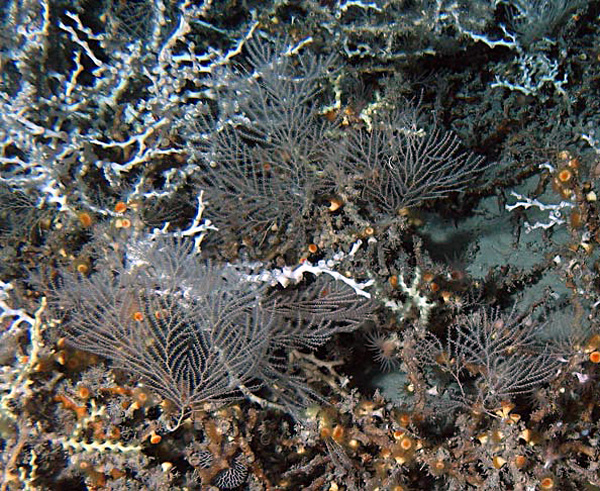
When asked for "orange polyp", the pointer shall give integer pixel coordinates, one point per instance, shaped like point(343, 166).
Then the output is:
point(83, 392)
point(547, 483)
point(325, 432)
point(85, 219)
point(446, 296)
point(141, 397)
point(406, 444)
point(595, 356)
point(428, 277)
point(80, 411)
point(576, 219)
point(138, 316)
point(335, 205)
point(565, 175)
point(593, 343)
point(404, 420)
point(338, 433)
point(120, 207)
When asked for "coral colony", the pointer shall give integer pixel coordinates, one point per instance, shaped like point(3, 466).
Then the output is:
point(318, 245)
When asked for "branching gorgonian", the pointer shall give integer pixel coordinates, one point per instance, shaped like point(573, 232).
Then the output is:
point(399, 164)
point(267, 155)
point(261, 149)
point(487, 358)
point(196, 332)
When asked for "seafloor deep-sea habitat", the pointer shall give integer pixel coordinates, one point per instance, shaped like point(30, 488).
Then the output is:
point(326, 245)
